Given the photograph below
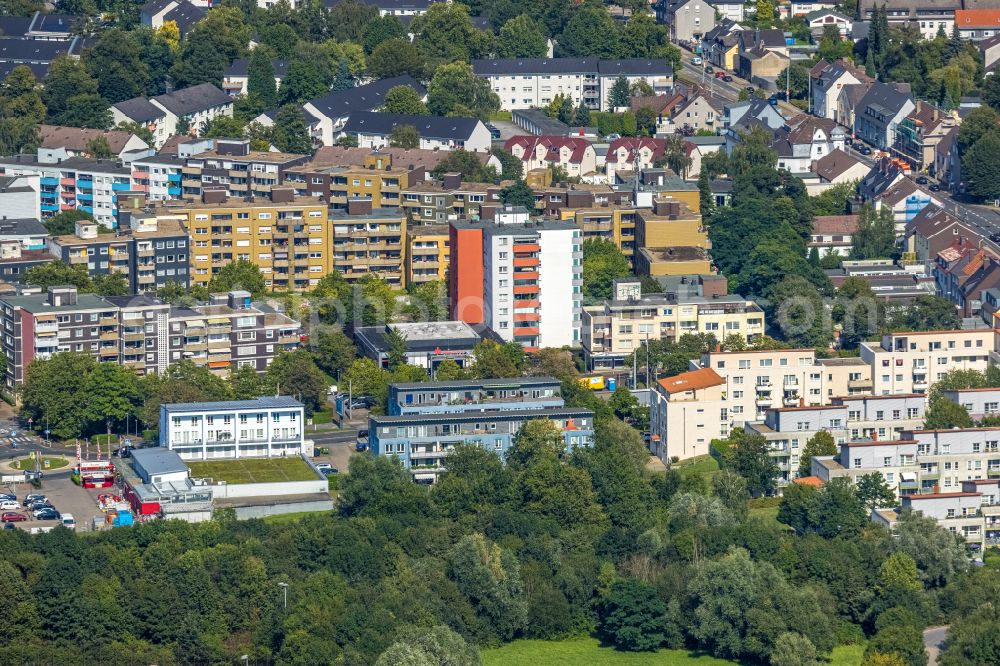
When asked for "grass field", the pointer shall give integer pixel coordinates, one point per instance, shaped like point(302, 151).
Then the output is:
point(574, 651)
point(254, 470)
point(55, 462)
point(700, 465)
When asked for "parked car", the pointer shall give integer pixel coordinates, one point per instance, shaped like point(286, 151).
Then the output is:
point(68, 521)
point(922, 180)
point(31, 498)
point(362, 402)
point(8, 496)
point(995, 238)
point(47, 514)
point(719, 74)
point(709, 69)
point(330, 471)
point(613, 137)
point(9, 526)
point(11, 517)
point(9, 505)
point(864, 150)
point(323, 466)
point(727, 78)
point(934, 187)
point(696, 60)
point(494, 132)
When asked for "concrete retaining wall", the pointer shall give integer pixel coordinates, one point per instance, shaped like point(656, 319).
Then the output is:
point(277, 509)
point(228, 491)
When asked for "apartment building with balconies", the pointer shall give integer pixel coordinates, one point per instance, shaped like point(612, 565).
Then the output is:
point(475, 395)
point(911, 362)
point(426, 420)
point(263, 428)
point(438, 202)
point(369, 240)
point(234, 167)
point(686, 412)
point(378, 179)
point(122, 329)
point(148, 251)
point(614, 330)
point(158, 176)
point(73, 183)
point(289, 238)
point(230, 331)
point(427, 254)
point(788, 429)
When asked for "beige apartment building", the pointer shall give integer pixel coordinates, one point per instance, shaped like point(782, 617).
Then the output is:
point(686, 413)
point(427, 254)
point(911, 362)
point(289, 238)
point(612, 331)
point(369, 240)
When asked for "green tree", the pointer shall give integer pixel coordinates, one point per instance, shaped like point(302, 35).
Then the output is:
point(21, 97)
point(58, 273)
point(365, 377)
point(213, 43)
point(793, 649)
point(926, 313)
point(66, 78)
point(332, 351)
point(260, 78)
point(874, 492)
point(750, 457)
point(295, 373)
point(835, 200)
point(112, 394)
point(247, 384)
point(99, 147)
point(54, 389)
point(511, 168)
point(675, 155)
point(619, 94)
point(943, 414)
point(290, 133)
point(492, 359)
point(632, 616)
point(518, 194)
point(86, 110)
point(466, 163)
point(820, 444)
point(940, 555)
point(238, 275)
point(182, 382)
point(396, 345)
point(490, 579)
point(115, 61)
point(876, 234)
point(381, 29)
point(429, 646)
point(455, 90)
point(404, 100)
point(906, 642)
point(111, 284)
point(395, 57)
point(731, 489)
point(521, 37)
point(981, 167)
point(449, 370)
point(445, 32)
point(64, 223)
point(798, 310)
point(404, 136)
point(858, 311)
point(591, 32)
point(603, 263)
point(223, 127)
point(303, 81)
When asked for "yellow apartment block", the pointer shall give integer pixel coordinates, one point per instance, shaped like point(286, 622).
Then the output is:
point(289, 238)
point(670, 240)
point(427, 257)
point(614, 223)
point(369, 240)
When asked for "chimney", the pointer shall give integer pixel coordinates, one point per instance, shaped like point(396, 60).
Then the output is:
point(673, 209)
point(359, 206)
point(282, 195)
point(213, 196)
point(660, 207)
point(451, 181)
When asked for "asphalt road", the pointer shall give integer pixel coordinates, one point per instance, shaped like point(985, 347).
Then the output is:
point(933, 642)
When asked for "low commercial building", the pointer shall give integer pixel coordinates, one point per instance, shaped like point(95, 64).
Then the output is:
point(157, 484)
point(614, 330)
point(261, 428)
point(428, 343)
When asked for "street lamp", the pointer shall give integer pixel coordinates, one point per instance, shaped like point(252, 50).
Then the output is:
point(284, 593)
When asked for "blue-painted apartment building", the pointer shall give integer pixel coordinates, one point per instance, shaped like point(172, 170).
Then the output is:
point(426, 420)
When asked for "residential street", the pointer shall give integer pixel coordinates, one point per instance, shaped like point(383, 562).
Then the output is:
point(933, 642)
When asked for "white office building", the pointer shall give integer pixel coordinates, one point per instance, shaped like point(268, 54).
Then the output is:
point(262, 428)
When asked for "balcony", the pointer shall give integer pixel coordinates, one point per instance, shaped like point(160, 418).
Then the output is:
point(763, 388)
point(109, 336)
point(764, 401)
point(289, 339)
point(107, 352)
point(860, 384)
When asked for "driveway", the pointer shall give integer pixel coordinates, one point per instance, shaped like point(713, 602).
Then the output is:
point(933, 642)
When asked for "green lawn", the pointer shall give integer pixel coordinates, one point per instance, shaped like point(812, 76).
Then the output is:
point(700, 465)
point(575, 651)
point(55, 462)
point(254, 470)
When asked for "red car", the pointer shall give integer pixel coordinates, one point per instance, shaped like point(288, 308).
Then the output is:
point(11, 517)
point(719, 74)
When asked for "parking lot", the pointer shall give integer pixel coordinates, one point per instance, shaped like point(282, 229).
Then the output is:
point(65, 496)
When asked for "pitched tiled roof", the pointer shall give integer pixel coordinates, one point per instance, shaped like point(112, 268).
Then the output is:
point(552, 144)
point(633, 144)
point(76, 139)
point(693, 380)
point(833, 164)
point(977, 18)
point(835, 224)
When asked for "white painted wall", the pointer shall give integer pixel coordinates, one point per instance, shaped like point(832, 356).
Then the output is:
point(560, 307)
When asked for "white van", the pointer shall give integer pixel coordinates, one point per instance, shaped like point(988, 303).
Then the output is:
point(68, 521)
